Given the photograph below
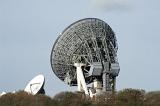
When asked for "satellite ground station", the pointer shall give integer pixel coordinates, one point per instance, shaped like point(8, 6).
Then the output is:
point(85, 54)
point(36, 85)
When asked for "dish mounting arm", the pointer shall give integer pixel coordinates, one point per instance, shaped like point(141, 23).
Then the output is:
point(80, 78)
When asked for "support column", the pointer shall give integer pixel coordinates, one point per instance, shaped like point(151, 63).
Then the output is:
point(104, 82)
point(114, 84)
point(80, 78)
point(108, 85)
point(97, 85)
point(105, 76)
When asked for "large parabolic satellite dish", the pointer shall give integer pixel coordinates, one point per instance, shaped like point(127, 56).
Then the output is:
point(92, 42)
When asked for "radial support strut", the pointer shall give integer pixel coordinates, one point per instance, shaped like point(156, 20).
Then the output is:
point(80, 78)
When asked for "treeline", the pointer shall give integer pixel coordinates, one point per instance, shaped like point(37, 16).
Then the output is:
point(126, 97)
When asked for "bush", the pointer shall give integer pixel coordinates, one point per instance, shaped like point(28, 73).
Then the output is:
point(130, 97)
point(126, 97)
point(16, 99)
point(23, 99)
point(152, 99)
point(72, 99)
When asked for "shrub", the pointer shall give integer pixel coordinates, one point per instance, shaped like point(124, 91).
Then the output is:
point(152, 99)
point(126, 97)
point(130, 97)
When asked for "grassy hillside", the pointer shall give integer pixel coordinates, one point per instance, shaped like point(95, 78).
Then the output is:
point(126, 97)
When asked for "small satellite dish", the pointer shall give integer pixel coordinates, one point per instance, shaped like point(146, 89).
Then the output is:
point(35, 86)
point(3, 93)
point(13, 91)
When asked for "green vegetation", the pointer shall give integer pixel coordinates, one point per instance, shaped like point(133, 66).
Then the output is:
point(126, 97)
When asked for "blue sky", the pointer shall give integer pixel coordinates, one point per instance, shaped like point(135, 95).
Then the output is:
point(28, 29)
